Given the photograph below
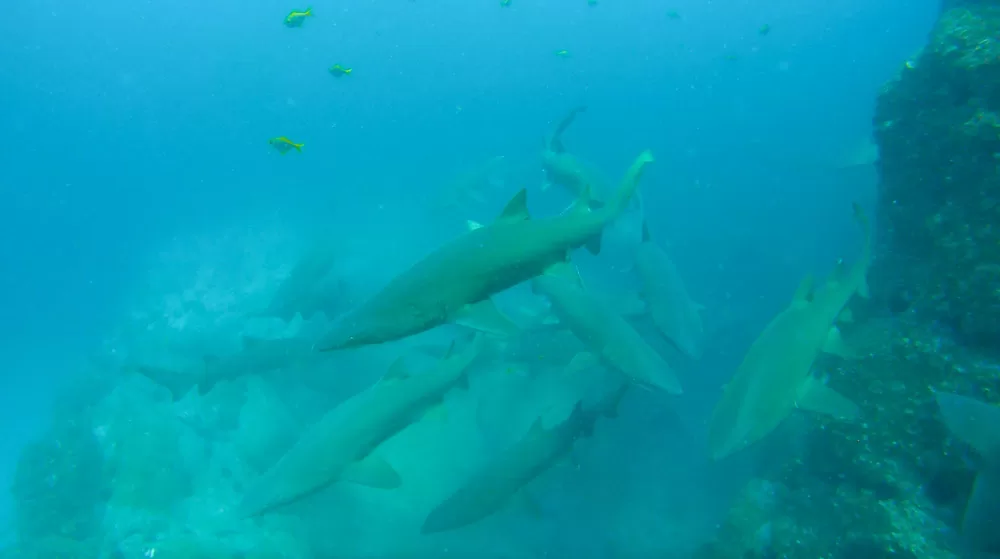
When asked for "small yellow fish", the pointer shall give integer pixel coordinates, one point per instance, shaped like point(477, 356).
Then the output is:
point(337, 70)
point(504, 3)
point(296, 18)
point(284, 145)
point(562, 53)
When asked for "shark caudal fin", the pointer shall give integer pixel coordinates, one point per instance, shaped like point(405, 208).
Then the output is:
point(554, 142)
point(978, 425)
point(630, 184)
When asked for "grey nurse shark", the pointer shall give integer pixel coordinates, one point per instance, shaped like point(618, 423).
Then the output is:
point(666, 299)
point(978, 424)
point(488, 490)
point(455, 282)
point(340, 446)
point(611, 341)
point(775, 376)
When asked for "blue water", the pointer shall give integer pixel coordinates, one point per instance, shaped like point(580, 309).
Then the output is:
point(129, 125)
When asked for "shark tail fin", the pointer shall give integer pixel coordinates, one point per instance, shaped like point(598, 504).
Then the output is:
point(645, 232)
point(630, 184)
point(974, 422)
point(555, 141)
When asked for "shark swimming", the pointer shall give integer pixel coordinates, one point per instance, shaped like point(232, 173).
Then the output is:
point(564, 169)
point(775, 375)
point(610, 338)
point(494, 485)
point(454, 283)
point(676, 316)
point(978, 425)
point(340, 446)
point(311, 287)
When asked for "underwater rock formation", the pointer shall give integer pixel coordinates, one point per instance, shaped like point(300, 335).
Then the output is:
point(59, 492)
point(937, 124)
point(893, 485)
point(896, 483)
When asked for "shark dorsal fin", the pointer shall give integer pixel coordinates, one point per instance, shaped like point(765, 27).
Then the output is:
point(804, 294)
point(537, 427)
point(841, 273)
point(473, 225)
point(517, 208)
point(397, 371)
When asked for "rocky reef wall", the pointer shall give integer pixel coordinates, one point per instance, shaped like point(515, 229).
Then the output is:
point(937, 124)
point(896, 483)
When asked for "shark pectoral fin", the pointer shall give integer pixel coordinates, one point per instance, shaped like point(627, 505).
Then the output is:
point(484, 316)
point(594, 244)
point(581, 362)
point(516, 209)
point(397, 371)
point(845, 316)
point(804, 293)
point(835, 345)
point(372, 472)
point(817, 397)
point(473, 225)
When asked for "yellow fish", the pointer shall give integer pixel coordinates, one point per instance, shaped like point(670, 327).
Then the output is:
point(504, 3)
point(297, 18)
point(337, 70)
point(562, 53)
point(284, 145)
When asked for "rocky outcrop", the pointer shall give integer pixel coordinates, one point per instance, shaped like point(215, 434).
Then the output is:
point(895, 484)
point(937, 124)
